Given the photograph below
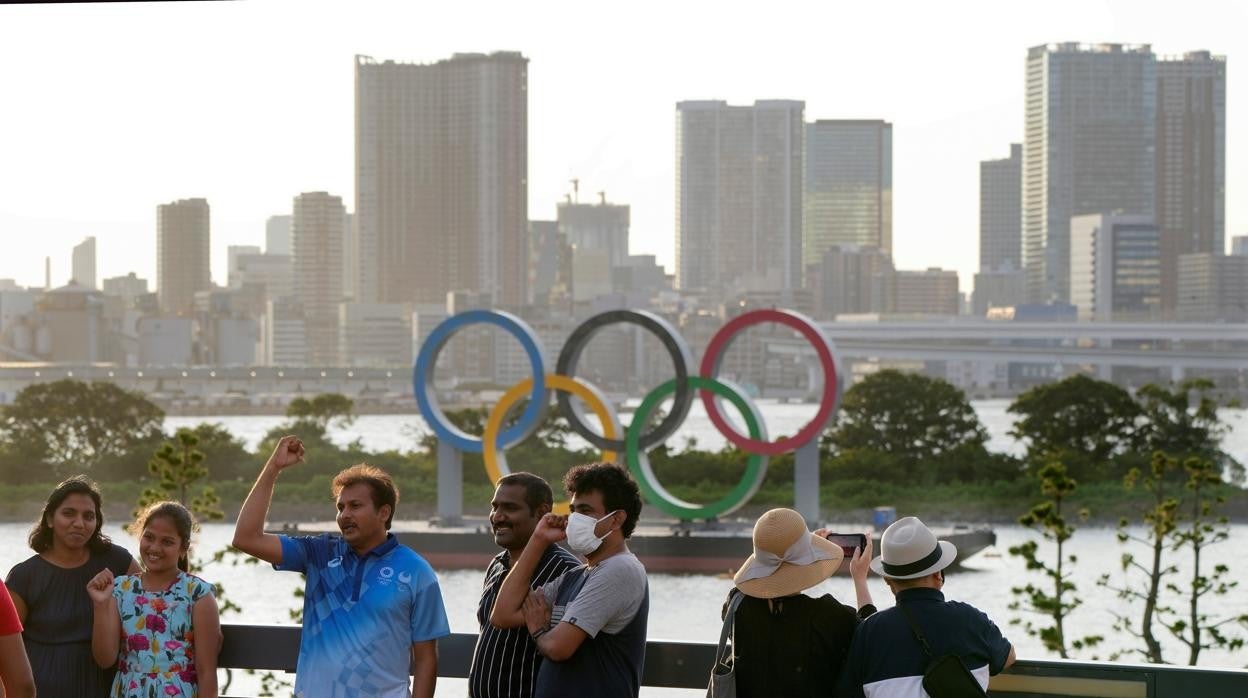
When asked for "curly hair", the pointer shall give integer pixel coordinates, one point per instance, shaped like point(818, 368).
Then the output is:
point(379, 482)
point(40, 538)
point(619, 491)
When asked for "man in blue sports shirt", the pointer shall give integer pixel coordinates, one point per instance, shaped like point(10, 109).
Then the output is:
point(372, 609)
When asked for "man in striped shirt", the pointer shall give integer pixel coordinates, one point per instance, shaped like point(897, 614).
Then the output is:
point(505, 661)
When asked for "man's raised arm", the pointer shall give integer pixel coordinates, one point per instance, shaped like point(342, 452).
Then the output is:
point(249, 535)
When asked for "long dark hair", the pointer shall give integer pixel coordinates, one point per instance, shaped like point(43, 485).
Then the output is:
point(182, 520)
point(40, 539)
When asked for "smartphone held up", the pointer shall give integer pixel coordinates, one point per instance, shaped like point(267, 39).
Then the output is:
point(848, 541)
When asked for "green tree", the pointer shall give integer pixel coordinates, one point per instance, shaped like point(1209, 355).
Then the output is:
point(74, 426)
point(1183, 422)
point(907, 422)
point(1082, 422)
point(1160, 521)
point(1202, 527)
point(1057, 605)
point(178, 465)
point(324, 409)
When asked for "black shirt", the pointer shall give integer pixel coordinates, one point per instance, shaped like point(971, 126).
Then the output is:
point(795, 647)
point(59, 615)
point(885, 659)
point(505, 662)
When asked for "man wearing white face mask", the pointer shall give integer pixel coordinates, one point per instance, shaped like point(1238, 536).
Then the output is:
point(590, 623)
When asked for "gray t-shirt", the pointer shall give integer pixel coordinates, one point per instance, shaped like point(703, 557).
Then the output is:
point(613, 591)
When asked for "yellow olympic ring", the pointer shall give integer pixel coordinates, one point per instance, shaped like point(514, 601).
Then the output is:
point(496, 460)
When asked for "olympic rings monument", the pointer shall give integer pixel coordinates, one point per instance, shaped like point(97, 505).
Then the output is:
point(629, 444)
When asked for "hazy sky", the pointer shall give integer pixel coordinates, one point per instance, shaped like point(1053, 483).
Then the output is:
point(108, 110)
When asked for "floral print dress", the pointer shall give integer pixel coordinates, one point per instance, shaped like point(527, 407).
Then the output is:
point(157, 657)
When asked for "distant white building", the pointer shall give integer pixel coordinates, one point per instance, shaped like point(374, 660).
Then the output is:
point(84, 263)
point(165, 341)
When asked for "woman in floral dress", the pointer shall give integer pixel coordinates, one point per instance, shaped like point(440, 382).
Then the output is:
point(160, 627)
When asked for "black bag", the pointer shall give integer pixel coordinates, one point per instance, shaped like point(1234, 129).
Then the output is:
point(723, 682)
point(946, 676)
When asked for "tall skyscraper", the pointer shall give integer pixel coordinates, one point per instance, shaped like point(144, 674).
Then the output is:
point(1191, 162)
point(739, 195)
point(182, 248)
point(848, 187)
point(1088, 148)
point(1000, 212)
point(316, 239)
point(84, 263)
point(441, 168)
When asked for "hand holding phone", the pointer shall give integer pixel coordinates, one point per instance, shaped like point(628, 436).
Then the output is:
point(848, 541)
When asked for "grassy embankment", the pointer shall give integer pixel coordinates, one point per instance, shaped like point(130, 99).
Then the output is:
point(843, 501)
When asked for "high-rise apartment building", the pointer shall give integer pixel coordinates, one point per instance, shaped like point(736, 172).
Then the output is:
point(441, 167)
point(1191, 162)
point(849, 280)
point(316, 239)
point(1239, 245)
point(1000, 212)
point(739, 195)
point(182, 248)
point(1212, 288)
point(84, 263)
point(848, 184)
point(277, 235)
point(1091, 118)
point(1115, 267)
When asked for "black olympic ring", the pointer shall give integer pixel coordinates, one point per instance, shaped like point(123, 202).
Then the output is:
point(677, 348)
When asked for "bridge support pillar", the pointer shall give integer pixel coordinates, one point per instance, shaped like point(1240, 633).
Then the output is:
point(1177, 373)
point(806, 482)
point(450, 485)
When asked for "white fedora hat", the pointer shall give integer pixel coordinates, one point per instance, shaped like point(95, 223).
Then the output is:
point(909, 550)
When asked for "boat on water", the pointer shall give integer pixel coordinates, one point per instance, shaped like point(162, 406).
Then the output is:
point(675, 548)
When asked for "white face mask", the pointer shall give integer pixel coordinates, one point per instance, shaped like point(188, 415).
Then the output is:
point(580, 530)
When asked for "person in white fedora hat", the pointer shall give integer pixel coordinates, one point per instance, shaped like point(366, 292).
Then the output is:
point(887, 657)
point(785, 642)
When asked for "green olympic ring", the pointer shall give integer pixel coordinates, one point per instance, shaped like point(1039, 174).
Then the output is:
point(639, 463)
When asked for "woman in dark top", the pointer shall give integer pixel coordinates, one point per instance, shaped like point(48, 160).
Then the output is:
point(787, 643)
point(50, 590)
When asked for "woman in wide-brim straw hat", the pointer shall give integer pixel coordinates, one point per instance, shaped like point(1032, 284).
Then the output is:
point(788, 643)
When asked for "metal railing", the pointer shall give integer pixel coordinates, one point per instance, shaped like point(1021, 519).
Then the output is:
point(687, 665)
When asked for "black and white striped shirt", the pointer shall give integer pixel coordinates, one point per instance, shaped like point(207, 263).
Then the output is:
point(505, 662)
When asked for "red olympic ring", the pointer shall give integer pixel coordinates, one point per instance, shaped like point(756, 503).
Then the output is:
point(713, 356)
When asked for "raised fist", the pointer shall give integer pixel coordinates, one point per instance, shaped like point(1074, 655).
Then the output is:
point(100, 588)
point(289, 451)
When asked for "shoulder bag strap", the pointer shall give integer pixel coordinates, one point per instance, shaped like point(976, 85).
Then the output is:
point(914, 627)
point(722, 653)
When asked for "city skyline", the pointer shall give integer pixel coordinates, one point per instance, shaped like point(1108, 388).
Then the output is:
point(953, 103)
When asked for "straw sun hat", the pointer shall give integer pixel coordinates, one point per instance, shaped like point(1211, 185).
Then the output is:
point(787, 557)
